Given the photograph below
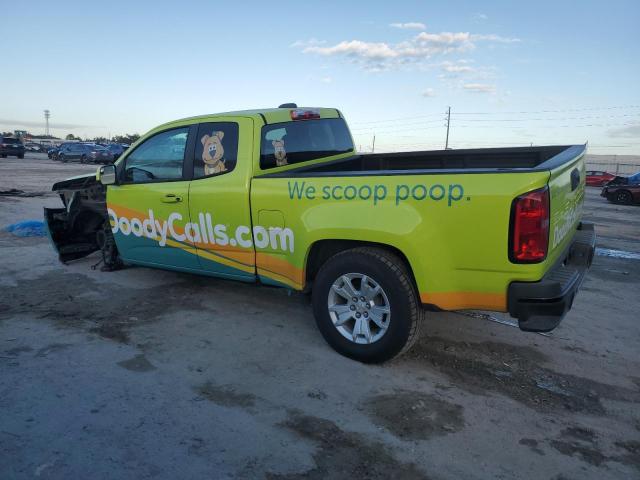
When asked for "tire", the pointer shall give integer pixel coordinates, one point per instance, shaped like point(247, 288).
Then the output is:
point(62, 158)
point(3, 155)
point(21, 156)
point(83, 159)
point(405, 313)
point(623, 196)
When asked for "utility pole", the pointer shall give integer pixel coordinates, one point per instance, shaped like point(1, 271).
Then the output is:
point(373, 145)
point(446, 144)
point(47, 114)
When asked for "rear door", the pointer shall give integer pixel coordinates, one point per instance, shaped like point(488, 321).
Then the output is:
point(219, 198)
point(566, 191)
point(148, 210)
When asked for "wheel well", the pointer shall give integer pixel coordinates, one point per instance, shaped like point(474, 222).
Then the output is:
point(323, 250)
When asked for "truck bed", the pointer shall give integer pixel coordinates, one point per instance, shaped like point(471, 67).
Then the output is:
point(440, 161)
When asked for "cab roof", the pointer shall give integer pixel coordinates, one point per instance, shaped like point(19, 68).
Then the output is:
point(267, 115)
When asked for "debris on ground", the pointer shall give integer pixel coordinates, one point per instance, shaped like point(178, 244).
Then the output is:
point(28, 228)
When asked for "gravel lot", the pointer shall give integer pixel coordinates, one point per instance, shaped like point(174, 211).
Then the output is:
point(145, 373)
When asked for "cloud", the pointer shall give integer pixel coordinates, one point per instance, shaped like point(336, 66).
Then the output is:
point(461, 66)
point(409, 26)
point(494, 38)
point(479, 87)
point(632, 131)
point(307, 43)
point(481, 16)
point(377, 56)
point(429, 92)
point(29, 123)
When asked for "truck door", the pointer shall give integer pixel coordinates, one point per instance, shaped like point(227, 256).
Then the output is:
point(219, 198)
point(149, 208)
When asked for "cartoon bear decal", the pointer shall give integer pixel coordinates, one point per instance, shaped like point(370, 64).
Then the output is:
point(279, 152)
point(213, 153)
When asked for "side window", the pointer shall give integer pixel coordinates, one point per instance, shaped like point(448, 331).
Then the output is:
point(158, 158)
point(299, 141)
point(216, 149)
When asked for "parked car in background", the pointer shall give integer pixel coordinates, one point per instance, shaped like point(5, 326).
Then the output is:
point(52, 153)
point(623, 194)
point(116, 149)
point(630, 180)
point(11, 146)
point(85, 153)
point(33, 147)
point(598, 178)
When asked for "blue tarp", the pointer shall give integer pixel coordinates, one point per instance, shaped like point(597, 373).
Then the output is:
point(28, 228)
point(635, 178)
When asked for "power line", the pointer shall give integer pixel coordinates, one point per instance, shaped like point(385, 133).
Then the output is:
point(429, 115)
point(552, 111)
point(446, 144)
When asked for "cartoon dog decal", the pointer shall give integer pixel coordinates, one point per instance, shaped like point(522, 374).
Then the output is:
point(279, 152)
point(213, 153)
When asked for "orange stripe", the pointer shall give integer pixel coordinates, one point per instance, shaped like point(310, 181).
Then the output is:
point(466, 300)
point(280, 266)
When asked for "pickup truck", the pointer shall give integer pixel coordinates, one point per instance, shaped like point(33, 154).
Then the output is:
point(280, 196)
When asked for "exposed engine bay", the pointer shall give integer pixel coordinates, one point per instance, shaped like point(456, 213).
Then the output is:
point(82, 226)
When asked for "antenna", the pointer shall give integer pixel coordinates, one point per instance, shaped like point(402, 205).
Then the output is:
point(47, 114)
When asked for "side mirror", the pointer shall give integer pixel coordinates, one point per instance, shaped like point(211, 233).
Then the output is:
point(107, 174)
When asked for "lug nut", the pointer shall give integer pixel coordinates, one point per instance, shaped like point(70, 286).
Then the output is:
point(354, 299)
point(352, 307)
point(358, 315)
point(365, 314)
point(362, 299)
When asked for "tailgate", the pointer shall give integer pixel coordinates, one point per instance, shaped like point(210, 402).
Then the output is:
point(566, 189)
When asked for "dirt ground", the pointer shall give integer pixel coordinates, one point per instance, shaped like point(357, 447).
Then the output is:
point(144, 373)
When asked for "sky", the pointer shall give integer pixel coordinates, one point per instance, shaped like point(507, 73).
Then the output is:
point(513, 73)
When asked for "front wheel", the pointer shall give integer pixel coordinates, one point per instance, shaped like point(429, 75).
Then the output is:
point(62, 158)
point(21, 155)
point(83, 159)
point(624, 197)
point(366, 306)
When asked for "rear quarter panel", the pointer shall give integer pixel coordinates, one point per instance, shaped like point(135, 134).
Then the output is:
point(452, 228)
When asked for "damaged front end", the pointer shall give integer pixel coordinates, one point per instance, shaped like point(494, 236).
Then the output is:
point(82, 226)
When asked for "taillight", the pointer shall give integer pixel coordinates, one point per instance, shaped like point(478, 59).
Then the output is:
point(305, 114)
point(529, 240)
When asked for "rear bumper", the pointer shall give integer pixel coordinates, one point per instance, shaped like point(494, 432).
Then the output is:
point(540, 306)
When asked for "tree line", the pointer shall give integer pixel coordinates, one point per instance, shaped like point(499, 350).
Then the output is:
point(128, 138)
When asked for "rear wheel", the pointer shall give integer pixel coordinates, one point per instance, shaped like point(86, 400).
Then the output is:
point(62, 158)
point(366, 306)
point(624, 197)
point(83, 159)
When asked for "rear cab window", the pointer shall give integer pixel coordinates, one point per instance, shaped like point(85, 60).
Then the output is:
point(299, 141)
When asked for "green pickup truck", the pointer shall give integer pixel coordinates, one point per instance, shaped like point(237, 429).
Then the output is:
point(280, 196)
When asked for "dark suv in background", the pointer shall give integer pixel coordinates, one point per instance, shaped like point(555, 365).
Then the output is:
point(11, 146)
point(85, 152)
point(116, 149)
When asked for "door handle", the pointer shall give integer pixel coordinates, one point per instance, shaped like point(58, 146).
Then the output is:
point(171, 198)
